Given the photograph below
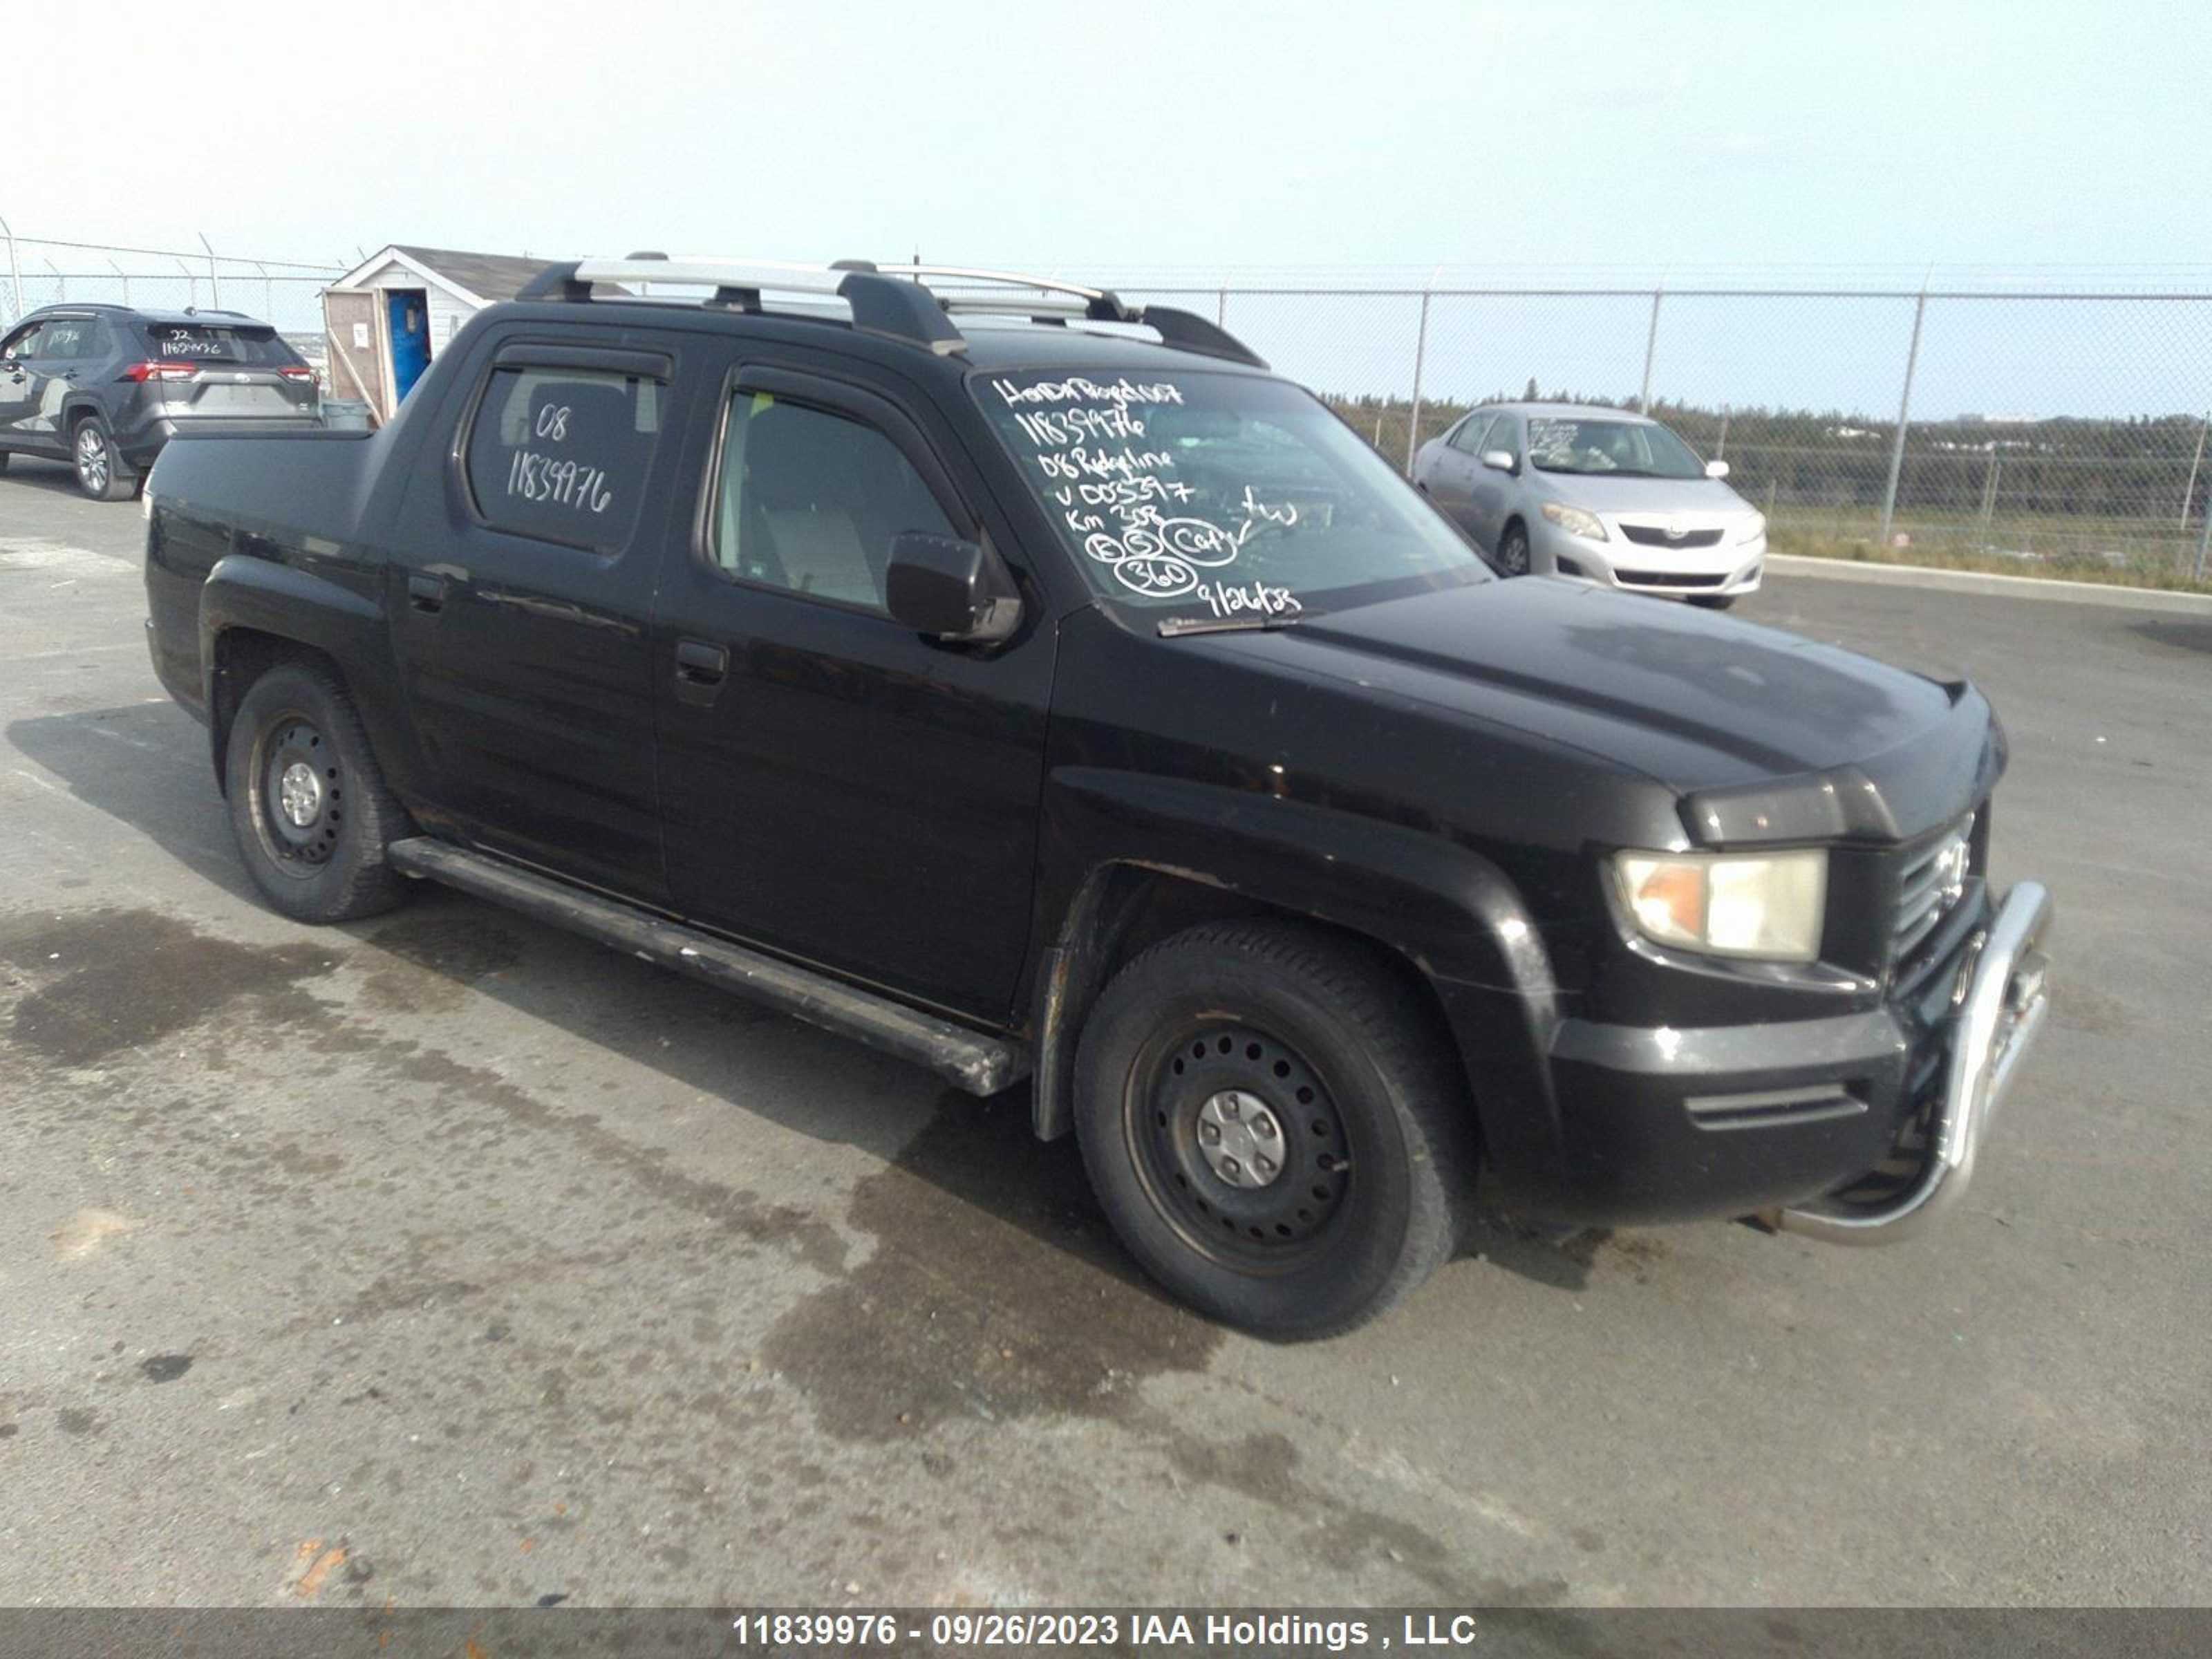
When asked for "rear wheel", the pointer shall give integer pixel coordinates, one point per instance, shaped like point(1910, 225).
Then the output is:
point(1275, 1136)
point(101, 471)
point(308, 805)
point(1513, 551)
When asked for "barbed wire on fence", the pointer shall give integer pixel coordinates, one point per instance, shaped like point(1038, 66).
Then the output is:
point(47, 270)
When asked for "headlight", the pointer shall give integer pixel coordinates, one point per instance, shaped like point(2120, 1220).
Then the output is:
point(1574, 521)
point(1766, 905)
point(1755, 529)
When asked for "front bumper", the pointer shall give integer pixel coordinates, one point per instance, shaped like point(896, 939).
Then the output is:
point(1728, 569)
point(1859, 1125)
point(2003, 1007)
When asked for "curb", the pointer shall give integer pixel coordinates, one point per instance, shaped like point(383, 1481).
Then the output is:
point(1977, 581)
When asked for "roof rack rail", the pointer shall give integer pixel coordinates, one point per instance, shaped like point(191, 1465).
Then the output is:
point(895, 300)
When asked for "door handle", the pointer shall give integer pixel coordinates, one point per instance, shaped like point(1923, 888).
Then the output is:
point(427, 594)
point(700, 663)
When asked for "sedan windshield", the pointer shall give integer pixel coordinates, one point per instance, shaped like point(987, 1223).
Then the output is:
point(1634, 449)
point(1216, 495)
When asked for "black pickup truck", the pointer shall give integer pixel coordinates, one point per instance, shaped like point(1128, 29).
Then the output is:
point(1042, 699)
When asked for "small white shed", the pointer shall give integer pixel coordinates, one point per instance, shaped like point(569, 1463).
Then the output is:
point(390, 315)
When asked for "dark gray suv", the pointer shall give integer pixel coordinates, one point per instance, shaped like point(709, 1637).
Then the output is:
point(104, 387)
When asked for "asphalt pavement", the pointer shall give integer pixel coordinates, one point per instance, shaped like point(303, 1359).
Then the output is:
point(446, 1259)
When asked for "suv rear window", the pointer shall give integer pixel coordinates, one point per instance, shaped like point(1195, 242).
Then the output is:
point(218, 343)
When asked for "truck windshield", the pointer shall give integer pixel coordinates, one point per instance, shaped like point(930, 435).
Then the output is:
point(1218, 495)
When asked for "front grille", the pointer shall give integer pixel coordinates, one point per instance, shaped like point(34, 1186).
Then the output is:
point(1652, 535)
point(1667, 579)
point(1931, 885)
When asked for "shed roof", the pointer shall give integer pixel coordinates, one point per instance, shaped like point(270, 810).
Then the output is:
point(483, 278)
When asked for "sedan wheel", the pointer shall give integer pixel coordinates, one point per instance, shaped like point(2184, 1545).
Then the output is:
point(1513, 551)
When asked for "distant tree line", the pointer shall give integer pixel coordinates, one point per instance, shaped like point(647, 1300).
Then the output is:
point(2069, 466)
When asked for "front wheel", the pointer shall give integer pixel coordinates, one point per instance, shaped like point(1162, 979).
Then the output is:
point(1275, 1136)
point(308, 806)
point(101, 471)
point(1513, 551)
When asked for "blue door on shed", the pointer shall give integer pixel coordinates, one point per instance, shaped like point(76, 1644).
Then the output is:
point(409, 309)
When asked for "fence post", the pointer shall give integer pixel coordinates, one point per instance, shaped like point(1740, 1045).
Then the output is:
point(1904, 413)
point(125, 276)
point(1990, 493)
point(214, 278)
point(1650, 349)
point(2204, 545)
point(2189, 489)
point(61, 283)
point(1420, 357)
point(1221, 308)
point(14, 270)
point(1719, 449)
point(269, 296)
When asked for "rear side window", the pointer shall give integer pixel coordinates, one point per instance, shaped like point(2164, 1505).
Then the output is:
point(561, 454)
point(69, 339)
point(217, 342)
point(1470, 436)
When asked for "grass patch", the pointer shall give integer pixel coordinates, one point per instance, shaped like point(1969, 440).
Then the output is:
point(1815, 545)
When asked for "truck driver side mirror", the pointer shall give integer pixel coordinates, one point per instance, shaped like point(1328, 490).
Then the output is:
point(950, 589)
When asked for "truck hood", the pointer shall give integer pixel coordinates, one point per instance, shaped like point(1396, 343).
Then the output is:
point(1768, 734)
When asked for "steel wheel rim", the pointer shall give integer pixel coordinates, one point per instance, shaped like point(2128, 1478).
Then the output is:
point(297, 795)
point(91, 458)
point(1257, 1220)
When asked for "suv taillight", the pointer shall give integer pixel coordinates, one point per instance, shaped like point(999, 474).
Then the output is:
point(160, 371)
point(297, 372)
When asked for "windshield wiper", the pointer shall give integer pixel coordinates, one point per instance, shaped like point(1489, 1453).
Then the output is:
point(1175, 627)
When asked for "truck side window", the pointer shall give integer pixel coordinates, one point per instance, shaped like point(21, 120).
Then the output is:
point(810, 501)
point(561, 454)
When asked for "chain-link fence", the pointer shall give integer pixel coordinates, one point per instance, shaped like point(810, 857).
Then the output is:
point(2050, 432)
point(286, 293)
point(2046, 432)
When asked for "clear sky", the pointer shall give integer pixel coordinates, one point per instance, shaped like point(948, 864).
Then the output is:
point(1587, 142)
point(1667, 138)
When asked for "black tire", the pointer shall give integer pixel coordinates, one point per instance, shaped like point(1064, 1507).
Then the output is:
point(1713, 601)
point(1513, 551)
point(3, 460)
point(308, 807)
point(100, 470)
point(1362, 1096)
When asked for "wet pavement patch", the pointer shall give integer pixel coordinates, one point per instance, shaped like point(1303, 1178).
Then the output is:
point(2182, 636)
point(996, 1290)
point(439, 948)
point(110, 979)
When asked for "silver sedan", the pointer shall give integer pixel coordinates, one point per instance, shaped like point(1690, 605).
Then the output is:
point(1596, 495)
